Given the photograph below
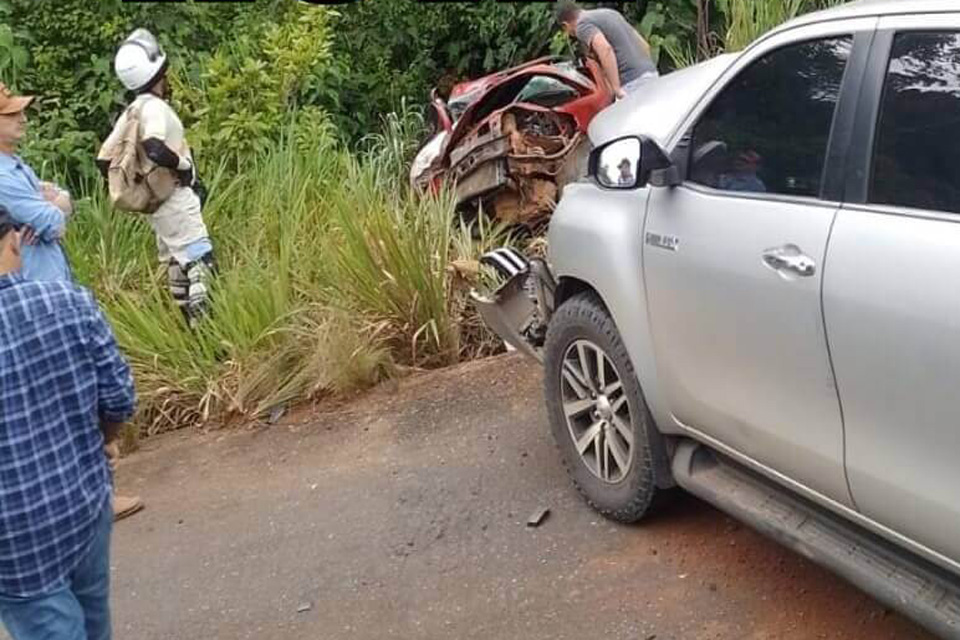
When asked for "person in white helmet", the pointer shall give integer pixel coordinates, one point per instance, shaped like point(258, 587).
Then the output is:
point(183, 243)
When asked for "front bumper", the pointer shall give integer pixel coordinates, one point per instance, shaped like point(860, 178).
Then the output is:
point(519, 310)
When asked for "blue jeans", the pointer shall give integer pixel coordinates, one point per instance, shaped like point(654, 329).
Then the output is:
point(80, 610)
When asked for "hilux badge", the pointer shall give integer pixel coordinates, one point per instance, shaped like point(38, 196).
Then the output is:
point(670, 243)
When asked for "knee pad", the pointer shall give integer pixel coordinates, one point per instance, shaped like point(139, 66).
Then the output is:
point(178, 282)
point(198, 275)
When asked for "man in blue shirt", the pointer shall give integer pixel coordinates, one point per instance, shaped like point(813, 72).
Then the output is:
point(40, 207)
point(65, 390)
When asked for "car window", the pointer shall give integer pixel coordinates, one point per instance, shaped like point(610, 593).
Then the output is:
point(917, 154)
point(547, 92)
point(767, 131)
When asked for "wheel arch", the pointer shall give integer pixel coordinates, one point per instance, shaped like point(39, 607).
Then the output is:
point(569, 286)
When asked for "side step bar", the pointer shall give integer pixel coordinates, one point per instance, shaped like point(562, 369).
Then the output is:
point(896, 578)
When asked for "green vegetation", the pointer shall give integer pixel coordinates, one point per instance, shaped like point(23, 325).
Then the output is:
point(330, 279)
point(331, 276)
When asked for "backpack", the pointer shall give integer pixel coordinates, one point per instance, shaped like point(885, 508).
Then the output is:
point(134, 182)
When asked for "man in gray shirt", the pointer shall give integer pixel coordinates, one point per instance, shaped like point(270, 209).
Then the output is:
point(623, 54)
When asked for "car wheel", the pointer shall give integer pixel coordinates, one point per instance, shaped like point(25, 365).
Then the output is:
point(596, 409)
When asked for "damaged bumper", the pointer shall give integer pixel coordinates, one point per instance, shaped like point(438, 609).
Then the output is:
point(522, 157)
point(519, 310)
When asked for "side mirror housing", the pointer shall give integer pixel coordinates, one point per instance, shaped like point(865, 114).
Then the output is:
point(632, 162)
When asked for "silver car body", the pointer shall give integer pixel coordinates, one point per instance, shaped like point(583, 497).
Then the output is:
point(845, 386)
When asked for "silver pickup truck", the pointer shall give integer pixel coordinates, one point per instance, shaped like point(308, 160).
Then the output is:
point(755, 295)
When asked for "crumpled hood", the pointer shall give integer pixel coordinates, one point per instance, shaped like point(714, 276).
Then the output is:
point(660, 106)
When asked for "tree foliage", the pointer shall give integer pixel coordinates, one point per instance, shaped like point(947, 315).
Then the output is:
point(62, 51)
point(241, 69)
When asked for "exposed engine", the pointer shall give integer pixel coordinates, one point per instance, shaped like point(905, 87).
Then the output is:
point(518, 164)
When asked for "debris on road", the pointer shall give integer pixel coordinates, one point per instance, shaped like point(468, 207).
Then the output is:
point(538, 516)
point(276, 413)
point(303, 608)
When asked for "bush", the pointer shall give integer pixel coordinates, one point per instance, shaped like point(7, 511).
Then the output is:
point(390, 51)
point(236, 100)
point(62, 51)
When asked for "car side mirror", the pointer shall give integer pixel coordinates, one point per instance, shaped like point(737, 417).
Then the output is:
point(632, 162)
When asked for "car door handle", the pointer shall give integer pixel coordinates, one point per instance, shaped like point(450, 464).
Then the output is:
point(790, 260)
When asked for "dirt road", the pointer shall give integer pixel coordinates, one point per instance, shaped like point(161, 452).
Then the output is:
point(403, 516)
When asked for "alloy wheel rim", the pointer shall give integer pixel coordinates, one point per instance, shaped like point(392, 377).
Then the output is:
point(596, 411)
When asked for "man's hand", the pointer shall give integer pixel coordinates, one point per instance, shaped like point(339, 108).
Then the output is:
point(112, 449)
point(60, 198)
point(29, 237)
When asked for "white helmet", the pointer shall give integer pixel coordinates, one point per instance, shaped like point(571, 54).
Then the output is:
point(140, 61)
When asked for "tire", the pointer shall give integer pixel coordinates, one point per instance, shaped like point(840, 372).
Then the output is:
point(621, 487)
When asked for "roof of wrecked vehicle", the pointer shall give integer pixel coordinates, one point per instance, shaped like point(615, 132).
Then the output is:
point(466, 94)
point(659, 107)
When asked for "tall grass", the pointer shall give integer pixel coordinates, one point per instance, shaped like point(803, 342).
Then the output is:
point(747, 20)
point(330, 278)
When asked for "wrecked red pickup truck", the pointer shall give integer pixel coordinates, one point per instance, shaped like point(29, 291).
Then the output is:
point(508, 142)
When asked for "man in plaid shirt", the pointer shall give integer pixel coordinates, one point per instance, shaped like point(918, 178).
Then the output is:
point(65, 390)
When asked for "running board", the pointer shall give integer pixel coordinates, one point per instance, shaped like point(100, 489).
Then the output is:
point(896, 578)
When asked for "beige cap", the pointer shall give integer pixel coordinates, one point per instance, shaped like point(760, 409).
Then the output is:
point(10, 103)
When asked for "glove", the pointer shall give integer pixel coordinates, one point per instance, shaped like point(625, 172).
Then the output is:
point(201, 190)
point(185, 176)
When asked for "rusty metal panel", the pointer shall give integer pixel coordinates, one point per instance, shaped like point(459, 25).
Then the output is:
point(487, 177)
point(478, 156)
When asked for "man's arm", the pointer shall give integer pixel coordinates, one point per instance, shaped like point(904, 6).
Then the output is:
point(164, 156)
point(111, 431)
point(28, 207)
point(116, 398)
point(154, 136)
point(608, 61)
point(644, 44)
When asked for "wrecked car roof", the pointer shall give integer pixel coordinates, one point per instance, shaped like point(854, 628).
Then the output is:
point(466, 94)
point(661, 105)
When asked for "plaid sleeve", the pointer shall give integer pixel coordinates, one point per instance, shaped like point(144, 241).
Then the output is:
point(115, 393)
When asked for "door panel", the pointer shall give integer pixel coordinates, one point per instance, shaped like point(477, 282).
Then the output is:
point(740, 347)
point(892, 288)
point(733, 261)
point(892, 307)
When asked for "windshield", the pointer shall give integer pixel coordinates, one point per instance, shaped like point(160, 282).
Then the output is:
point(550, 89)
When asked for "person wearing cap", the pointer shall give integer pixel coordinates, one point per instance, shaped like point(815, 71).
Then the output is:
point(626, 177)
point(183, 243)
point(743, 176)
point(40, 206)
point(623, 54)
point(65, 391)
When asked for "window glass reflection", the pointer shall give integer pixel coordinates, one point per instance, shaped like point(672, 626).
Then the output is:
point(767, 132)
point(917, 156)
